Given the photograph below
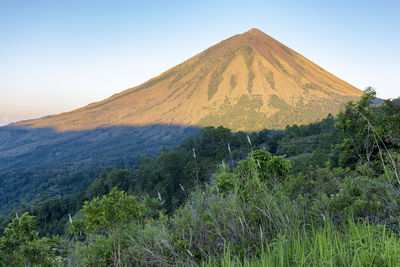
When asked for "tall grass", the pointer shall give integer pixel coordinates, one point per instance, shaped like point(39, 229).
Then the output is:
point(249, 221)
point(359, 244)
point(246, 218)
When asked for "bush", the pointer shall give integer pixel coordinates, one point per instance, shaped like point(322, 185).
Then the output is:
point(21, 245)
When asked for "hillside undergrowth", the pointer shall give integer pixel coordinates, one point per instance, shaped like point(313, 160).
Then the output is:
point(308, 196)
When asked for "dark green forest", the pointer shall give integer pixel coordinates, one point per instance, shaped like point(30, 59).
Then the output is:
point(44, 162)
point(313, 195)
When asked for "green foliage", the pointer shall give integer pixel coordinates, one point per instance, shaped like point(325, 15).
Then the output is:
point(369, 135)
point(173, 170)
point(18, 186)
point(274, 167)
point(98, 252)
point(101, 215)
point(360, 142)
point(360, 244)
point(152, 245)
point(104, 219)
point(21, 245)
point(261, 164)
point(122, 179)
point(240, 206)
point(224, 179)
point(311, 195)
point(44, 162)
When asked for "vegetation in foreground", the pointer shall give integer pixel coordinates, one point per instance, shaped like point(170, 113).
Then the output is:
point(358, 244)
point(334, 204)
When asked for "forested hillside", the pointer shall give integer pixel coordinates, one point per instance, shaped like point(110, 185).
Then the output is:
point(43, 162)
point(248, 82)
point(315, 195)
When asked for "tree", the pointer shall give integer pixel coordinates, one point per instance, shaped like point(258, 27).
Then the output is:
point(356, 123)
point(371, 134)
point(21, 245)
point(122, 179)
point(107, 215)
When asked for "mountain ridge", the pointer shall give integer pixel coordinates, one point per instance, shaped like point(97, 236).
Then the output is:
point(249, 81)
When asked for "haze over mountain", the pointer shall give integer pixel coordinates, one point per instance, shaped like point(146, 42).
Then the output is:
point(247, 82)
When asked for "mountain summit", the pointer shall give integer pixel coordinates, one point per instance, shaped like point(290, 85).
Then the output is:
point(247, 82)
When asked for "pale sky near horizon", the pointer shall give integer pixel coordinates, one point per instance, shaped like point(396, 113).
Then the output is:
point(56, 56)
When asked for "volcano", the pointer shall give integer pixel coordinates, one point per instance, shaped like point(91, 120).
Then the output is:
point(247, 82)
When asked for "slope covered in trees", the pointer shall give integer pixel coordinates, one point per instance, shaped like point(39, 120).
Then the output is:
point(42, 162)
point(322, 194)
point(247, 82)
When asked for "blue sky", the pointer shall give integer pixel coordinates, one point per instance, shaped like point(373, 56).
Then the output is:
point(56, 56)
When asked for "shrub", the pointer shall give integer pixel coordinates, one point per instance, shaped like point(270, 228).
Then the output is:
point(22, 246)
